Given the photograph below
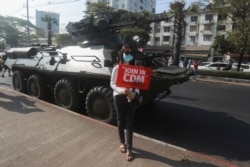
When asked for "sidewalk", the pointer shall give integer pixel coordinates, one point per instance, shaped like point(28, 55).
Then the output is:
point(35, 133)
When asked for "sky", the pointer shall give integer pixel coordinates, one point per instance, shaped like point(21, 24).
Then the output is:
point(69, 10)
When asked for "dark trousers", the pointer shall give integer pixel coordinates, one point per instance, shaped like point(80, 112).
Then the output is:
point(125, 117)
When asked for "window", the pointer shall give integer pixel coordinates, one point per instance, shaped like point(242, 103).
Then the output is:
point(207, 27)
point(157, 29)
point(222, 17)
point(194, 19)
point(167, 20)
point(207, 38)
point(166, 38)
point(157, 39)
point(167, 29)
point(208, 17)
point(193, 28)
point(221, 28)
point(192, 38)
point(235, 26)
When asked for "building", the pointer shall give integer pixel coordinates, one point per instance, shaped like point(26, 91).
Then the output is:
point(130, 5)
point(43, 25)
point(200, 32)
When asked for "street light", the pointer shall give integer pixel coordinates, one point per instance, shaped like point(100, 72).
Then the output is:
point(28, 27)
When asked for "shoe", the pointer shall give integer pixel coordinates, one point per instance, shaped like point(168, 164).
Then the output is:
point(3, 76)
point(129, 156)
point(123, 148)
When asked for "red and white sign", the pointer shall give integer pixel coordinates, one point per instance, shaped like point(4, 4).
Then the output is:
point(133, 76)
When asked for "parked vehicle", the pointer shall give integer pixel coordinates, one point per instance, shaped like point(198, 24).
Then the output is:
point(202, 64)
point(79, 75)
point(218, 66)
point(243, 67)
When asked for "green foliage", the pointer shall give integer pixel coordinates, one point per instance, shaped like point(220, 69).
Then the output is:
point(225, 74)
point(139, 18)
point(240, 37)
point(142, 34)
point(13, 30)
point(177, 12)
point(222, 45)
point(116, 16)
point(64, 40)
point(98, 9)
point(142, 28)
point(49, 20)
point(238, 11)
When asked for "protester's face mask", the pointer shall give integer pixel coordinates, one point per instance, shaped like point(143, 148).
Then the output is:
point(127, 56)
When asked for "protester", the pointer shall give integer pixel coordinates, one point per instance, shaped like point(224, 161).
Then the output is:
point(195, 68)
point(124, 105)
point(189, 63)
point(5, 67)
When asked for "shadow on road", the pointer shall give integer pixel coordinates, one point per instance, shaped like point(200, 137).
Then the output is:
point(5, 84)
point(212, 133)
point(142, 154)
point(19, 104)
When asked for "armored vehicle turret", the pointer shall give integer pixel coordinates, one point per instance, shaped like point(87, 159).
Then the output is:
point(79, 76)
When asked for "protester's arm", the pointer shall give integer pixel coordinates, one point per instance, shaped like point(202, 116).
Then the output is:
point(113, 79)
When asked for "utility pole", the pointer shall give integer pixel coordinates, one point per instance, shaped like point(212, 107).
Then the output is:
point(28, 26)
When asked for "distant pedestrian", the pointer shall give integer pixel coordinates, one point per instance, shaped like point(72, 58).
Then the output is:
point(195, 69)
point(170, 61)
point(5, 67)
point(228, 57)
point(185, 63)
point(189, 63)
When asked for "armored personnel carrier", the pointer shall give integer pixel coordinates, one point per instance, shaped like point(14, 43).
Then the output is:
point(79, 76)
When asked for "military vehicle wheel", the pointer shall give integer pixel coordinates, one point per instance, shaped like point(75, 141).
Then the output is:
point(18, 82)
point(35, 87)
point(99, 104)
point(65, 95)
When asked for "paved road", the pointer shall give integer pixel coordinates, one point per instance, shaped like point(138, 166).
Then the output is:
point(206, 117)
point(199, 123)
point(35, 133)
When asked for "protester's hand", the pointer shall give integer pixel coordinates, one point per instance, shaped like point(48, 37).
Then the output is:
point(127, 91)
point(131, 96)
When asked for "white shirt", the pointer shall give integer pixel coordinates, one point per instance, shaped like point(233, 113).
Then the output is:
point(116, 89)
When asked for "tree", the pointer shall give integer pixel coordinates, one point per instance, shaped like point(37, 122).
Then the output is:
point(141, 29)
point(8, 26)
point(239, 12)
point(14, 32)
point(98, 9)
point(178, 13)
point(64, 40)
point(49, 20)
point(222, 45)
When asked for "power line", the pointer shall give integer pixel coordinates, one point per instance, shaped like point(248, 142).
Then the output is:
point(62, 2)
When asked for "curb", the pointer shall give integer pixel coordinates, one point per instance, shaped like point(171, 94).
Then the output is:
point(223, 80)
